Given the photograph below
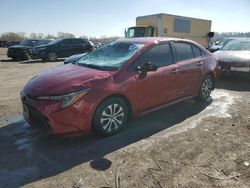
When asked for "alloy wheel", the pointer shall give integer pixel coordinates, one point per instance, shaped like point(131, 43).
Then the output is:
point(206, 87)
point(112, 117)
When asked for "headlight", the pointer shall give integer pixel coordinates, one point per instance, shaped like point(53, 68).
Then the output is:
point(67, 99)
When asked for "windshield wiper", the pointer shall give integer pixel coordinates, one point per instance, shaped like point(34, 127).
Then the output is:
point(97, 66)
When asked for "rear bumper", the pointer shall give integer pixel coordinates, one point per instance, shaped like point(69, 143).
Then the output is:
point(230, 70)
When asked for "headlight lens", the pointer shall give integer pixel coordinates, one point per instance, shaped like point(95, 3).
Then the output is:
point(67, 99)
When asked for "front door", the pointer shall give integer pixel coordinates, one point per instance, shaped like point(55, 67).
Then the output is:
point(159, 87)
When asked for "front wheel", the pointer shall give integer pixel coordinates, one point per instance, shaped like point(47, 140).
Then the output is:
point(206, 88)
point(110, 116)
point(52, 56)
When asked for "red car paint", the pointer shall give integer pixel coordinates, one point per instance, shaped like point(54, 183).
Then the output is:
point(154, 91)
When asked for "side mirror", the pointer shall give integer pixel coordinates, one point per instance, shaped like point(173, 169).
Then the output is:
point(217, 42)
point(125, 32)
point(147, 67)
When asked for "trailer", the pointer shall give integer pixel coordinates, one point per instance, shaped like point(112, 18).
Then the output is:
point(167, 25)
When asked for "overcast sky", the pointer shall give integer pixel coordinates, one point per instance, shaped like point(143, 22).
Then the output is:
point(111, 17)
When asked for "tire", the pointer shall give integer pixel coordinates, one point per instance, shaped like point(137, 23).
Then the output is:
point(52, 56)
point(206, 88)
point(110, 116)
point(27, 57)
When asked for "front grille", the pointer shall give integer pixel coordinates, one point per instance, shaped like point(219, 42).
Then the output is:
point(16, 52)
point(36, 119)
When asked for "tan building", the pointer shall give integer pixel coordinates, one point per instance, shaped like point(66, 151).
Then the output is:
point(167, 25)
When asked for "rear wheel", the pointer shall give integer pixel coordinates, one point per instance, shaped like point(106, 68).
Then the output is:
point(110, 116)
point(52, 56)
point(206, 87)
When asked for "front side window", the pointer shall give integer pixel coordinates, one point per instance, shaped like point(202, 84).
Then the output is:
point(136, 32)
point(160, 55)
point(183, 51)
point(197, 51)
point(27, 43)
point(111, 56)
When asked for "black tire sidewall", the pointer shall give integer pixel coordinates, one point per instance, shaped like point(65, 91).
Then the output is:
point(96, 119)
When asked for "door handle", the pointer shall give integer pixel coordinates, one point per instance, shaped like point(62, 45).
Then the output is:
point(174, 71)
point(199, 63)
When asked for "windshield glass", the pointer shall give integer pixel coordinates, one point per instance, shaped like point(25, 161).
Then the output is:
point(224, 42)
point(237, 46)
point(55, 41)
point(136, 32)
point(42, 42)
point(27, 43)
point(111, 56)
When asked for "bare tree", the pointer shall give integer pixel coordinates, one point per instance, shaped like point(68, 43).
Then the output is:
point(10, 36)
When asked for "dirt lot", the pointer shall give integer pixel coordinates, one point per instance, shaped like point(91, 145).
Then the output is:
point(13, 77)
point(189, 144)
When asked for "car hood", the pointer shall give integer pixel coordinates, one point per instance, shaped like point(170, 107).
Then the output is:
point(237, 58)
point(20, 47)
point(64, 79)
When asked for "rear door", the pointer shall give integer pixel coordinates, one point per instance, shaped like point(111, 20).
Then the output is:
point(65, 48)
point(159, 87)
point(77, 46)
point(189, 61)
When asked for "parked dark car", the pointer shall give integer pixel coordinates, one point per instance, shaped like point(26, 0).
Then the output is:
point(11, 43)
point(234, 58)
point(23, 51)
point(61, 48)
point(74, 58)
point(121, 80)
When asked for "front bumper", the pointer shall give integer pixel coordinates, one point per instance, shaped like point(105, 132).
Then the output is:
point(50, 117)
point(16, 53)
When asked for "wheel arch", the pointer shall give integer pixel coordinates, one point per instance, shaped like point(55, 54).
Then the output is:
point(124, 98)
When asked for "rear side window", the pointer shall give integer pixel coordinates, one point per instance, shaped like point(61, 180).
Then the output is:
point(77, 41)
point(160, 54)
point(67, 42)
point(183, 51)
point(197, 51)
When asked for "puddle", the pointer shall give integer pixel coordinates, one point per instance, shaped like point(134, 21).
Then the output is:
point(221, 102)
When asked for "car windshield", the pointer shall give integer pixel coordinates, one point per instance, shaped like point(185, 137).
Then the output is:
point(55, 41)
point(111, 56)
point(237, 46)
point(42, 42)
point(27, 43)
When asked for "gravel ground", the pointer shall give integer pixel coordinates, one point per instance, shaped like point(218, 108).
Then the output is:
point(189, 144)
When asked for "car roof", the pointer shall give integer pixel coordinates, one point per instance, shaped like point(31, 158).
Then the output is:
point(146, 40)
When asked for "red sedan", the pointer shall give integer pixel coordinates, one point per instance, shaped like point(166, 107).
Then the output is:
point(121, 80)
